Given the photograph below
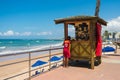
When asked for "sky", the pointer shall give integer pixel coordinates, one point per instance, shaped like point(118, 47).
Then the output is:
point(35, 18)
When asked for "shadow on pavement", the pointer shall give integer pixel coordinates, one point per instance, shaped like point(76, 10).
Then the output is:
point(80, 63)
point(112, 54)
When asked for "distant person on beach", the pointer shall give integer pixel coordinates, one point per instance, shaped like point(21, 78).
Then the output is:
point(66, 51)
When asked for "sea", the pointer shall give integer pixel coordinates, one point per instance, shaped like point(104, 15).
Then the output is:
point(8, 46)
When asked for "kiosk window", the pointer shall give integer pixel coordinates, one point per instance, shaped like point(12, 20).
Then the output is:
point(81, 32)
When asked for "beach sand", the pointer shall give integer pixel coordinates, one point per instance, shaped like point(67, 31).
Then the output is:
point(11, 70)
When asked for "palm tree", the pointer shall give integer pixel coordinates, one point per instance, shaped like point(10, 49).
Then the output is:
point(97, 8)
point(106, 34)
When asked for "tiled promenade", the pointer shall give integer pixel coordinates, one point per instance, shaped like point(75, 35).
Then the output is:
point(108, 70)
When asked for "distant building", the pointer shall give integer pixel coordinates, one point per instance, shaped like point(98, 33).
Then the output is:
point(113, 36)
point(117, 35)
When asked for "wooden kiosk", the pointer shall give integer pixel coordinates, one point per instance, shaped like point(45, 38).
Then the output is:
point(83, 47)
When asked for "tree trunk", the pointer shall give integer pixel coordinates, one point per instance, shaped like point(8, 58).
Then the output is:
point(97, 8)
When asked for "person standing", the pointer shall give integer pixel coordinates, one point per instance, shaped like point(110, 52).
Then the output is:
point(66, 51)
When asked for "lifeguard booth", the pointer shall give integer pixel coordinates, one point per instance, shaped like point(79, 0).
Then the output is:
point(87, 44)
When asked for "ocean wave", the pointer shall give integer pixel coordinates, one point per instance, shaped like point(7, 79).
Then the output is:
point(11, 42)
point(2, 47)
point(30, 49)
point(37, 41)
point(45, 47)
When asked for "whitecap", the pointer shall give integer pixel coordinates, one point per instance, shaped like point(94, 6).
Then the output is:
point(37, 41)
point(11, 42)
point(2, 47)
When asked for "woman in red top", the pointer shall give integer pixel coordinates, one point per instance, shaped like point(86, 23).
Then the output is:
point(66, 51)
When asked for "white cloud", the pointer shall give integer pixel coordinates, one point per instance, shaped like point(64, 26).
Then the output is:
point(114, 24)
point(26, 34)
point(44, 33)
point(12, 33)
point(17, 33)
point(8, 33)
point(0, 34)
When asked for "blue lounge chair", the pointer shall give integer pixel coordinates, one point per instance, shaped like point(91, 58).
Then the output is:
point(108, 49)
point(54, 59)
point(38, 63)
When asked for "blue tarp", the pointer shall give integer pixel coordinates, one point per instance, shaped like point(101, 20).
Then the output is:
point(108, 49)
point(54, 58)
point(38, 63)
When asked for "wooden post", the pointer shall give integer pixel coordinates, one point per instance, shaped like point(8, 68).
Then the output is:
point(91, 44)
point(92, 62)
point(49, 57)
point(29, 66)
point(65, 30)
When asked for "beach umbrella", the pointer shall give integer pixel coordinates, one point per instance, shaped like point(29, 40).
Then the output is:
point(54, 58)
point(38, 63)
point(108, 49)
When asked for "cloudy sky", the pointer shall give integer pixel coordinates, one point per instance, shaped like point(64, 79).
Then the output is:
point(35, 18)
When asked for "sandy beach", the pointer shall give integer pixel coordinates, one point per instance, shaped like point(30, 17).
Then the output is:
point(11, 70)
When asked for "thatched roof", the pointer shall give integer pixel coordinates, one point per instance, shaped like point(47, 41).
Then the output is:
point(79, 18)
